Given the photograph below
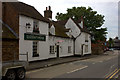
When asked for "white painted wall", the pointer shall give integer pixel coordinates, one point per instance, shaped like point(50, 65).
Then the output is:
point(63, 50)
point(71, 25)
point(81, 40)
point(27, 45)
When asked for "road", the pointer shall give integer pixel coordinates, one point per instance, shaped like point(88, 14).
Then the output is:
point(100, 67)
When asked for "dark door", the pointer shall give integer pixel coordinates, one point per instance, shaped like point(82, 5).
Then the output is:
point(82, 50)
point(57, 50)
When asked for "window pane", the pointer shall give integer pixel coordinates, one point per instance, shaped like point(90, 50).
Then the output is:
point(51, 49)
point(35, 47)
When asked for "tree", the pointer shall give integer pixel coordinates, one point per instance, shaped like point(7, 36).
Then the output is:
point(111, 42)
point(92, 20)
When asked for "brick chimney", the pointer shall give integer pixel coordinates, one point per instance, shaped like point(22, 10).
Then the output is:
point(48, 13)
point(82, 22)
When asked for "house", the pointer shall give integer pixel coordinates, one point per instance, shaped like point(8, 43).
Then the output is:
point(116, 43)
point(29, 36)
point(10, 47)
point(75, 30)
point(31, 28)
point(82, 37)
point(61, 45)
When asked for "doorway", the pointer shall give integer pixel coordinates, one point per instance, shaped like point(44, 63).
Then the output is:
point(82, 50)
point(57, 50)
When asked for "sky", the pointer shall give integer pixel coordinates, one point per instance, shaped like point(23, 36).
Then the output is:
point(108, 8)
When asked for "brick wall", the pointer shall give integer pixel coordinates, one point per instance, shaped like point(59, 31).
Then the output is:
point(11, 17)
point(10, 50)
point(10, 46)
point(97, 49)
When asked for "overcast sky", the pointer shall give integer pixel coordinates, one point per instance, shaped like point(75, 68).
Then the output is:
point(108, 8)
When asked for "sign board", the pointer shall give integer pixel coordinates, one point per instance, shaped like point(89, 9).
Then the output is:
point(31, 36)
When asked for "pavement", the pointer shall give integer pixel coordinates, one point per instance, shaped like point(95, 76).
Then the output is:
point(56, 61)
point(94, 67)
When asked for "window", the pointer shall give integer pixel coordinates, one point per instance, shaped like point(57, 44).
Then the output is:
point(52, 30)
point(52, 50)
point(35, 49)
point(86, 48)
point(69, 49)
point(35, 27)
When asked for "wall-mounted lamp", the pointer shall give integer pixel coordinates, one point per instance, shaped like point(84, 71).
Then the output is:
point(28, 25)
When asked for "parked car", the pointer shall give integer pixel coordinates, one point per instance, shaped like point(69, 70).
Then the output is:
point(111, 49)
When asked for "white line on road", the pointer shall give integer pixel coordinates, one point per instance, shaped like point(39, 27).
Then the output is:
point(93, 63)
point(77, 69)
point(33, 71)
point(101, 61)
point(112, 66)
point(37, 70)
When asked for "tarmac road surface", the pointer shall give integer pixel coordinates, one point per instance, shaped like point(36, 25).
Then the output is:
point(102, 67)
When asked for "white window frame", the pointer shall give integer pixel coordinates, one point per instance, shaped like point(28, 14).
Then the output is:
point(52, 49)
point(35, 51)
point(69, 49)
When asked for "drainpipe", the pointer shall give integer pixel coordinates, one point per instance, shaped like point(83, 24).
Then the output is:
point(74, 46)
point(74, 43)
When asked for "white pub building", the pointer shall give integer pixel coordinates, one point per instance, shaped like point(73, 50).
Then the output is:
point(41, 38)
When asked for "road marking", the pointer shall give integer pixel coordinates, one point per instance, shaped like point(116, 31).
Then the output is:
point(112, 66)
point(33, 71)
point(63, 64)
point(93, 63)
point(77, 69)
point(101, 61)
point(49, 64)
point(111, 73)
point(114, 74)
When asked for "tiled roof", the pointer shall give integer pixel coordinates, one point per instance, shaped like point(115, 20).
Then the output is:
point(6, 33)
point(27, 10)
point(59, 29)
point(84, 29)
point(23, 9)
point(62, 22)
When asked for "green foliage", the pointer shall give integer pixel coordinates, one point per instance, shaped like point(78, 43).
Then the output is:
point(111, 42)
point(92, 20)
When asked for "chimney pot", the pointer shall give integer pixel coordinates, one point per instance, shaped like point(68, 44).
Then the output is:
point(48, 12)
point(49, 8)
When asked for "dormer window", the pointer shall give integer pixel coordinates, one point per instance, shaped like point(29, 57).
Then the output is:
point(36, 26)
point(52, 30)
